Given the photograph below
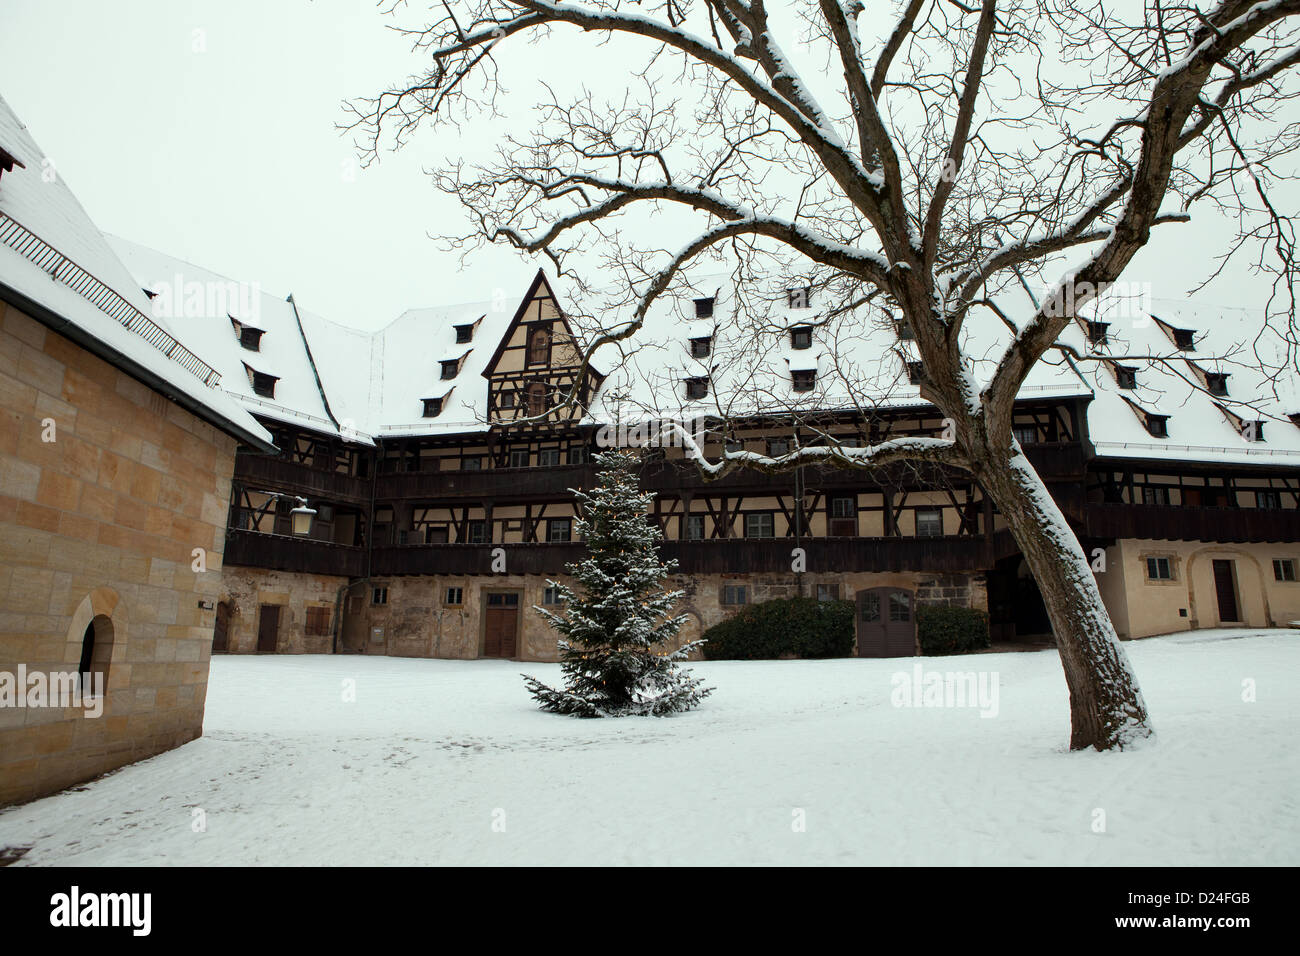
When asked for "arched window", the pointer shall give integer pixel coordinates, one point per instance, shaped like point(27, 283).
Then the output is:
point(96, 652)
point(539, 346)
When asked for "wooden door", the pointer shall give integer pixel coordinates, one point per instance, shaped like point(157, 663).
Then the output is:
point(220, 633)
point(268, 628)
point(501, 625)
point(886, 624)
point(1225, 589)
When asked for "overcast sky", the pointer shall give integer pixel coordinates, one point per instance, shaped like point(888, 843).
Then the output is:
point(207, 130)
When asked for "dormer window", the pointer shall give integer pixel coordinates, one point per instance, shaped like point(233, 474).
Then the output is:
point(1157, 425)
point(263, 384)
point(432, 407)
point(1184, 339)
point(1295, 419)
point(915, 372)
point(8, 161)
point(803, 379)
point(450, 367)
point(1216, 383)
point(539, 346)
point(801, 337)
point(1248, 430)
point(697, 388)
point(251, 339)
point(464, 333)
point(701, 347)
point(704, 308)
point(1097, 333)
point(799, 297)
point(1126, 376)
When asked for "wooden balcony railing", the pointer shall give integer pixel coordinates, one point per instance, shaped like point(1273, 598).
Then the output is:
point(279, 552)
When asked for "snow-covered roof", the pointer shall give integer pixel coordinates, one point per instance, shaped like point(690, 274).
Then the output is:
point(56, 261)
point(375, 383)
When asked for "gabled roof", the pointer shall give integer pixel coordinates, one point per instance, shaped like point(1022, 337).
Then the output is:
point(57, 266)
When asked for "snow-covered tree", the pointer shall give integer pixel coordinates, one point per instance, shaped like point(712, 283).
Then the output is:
point(919, 163)
point(620, 611)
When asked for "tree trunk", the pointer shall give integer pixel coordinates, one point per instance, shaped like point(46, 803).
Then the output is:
point(1106, 706)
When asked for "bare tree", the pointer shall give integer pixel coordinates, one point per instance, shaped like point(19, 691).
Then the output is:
point(956, 150)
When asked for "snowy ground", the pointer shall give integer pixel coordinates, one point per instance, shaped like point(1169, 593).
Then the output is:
point(447, 762)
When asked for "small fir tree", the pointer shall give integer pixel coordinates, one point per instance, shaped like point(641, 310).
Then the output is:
point(619, 611)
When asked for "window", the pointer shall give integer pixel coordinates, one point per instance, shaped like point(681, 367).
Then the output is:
point(1216, 383)
point(1025, 434)
point(900, 606)
point(760, 525)
point(506, 399)
point(453, 597)
point(551, 596)
point(1097, 332)
point(734, 594)
point(776, 447)
point(450, 368)
point(1126, 376)
point(432, 407)
point(1155, 495)
point(477, 532)
point(548, 457)
point(735, 444)
point(559, 529)
point(577, 455)
point(318, 621)
point(1284, 569)
point(904, 329)
point(536, 398)
point(1157, 425)
point(704, 308)
point(436, 535)
point(798, 298)
point(379, 595)
point(262, 383)
point(929, 522)
point(701, 347)
point(519, 458)
point(803, 379)
point(695, 527)
point(844, 508)
point(472, 464)
point(1184, 339)
point(1159, 569)
point(1271, 500)
point(915, 372)
point(828, 592)
point(696, 388)
point(250, 338)
point(464, 333)
point(539, 346)
point(869, 607)
point(801, 337)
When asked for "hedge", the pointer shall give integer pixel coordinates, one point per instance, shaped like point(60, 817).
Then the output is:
point(804, 627)
point(951, 630)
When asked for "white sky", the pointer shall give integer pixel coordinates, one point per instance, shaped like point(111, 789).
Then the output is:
point(229, 157)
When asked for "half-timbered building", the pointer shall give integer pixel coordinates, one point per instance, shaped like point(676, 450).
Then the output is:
point(439, 453)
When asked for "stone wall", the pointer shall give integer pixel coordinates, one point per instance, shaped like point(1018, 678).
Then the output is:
point(416, 621)
point(106, 489)
point(245, 590)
